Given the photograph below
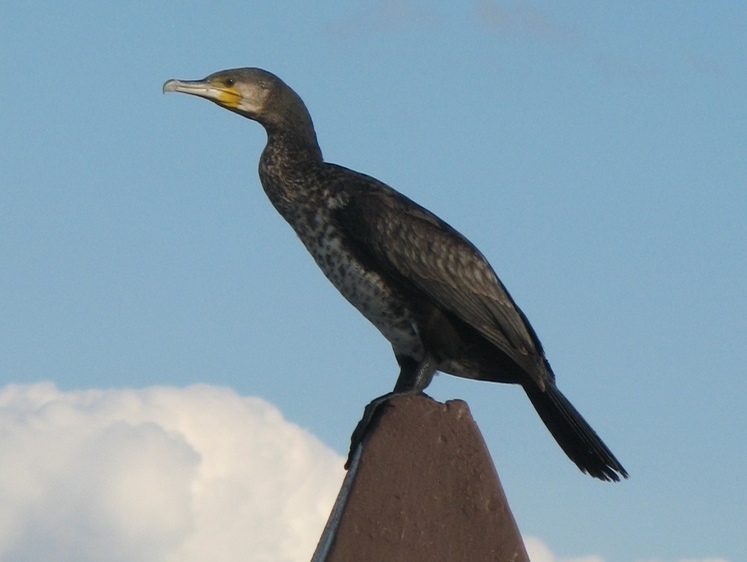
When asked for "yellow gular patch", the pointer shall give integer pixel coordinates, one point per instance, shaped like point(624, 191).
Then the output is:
point(230, 97)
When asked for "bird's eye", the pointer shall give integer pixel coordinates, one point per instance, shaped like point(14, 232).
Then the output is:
point(230, 82)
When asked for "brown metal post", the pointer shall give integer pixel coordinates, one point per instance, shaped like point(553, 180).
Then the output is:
point(423, 489)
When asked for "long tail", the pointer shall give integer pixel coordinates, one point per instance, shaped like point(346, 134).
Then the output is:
point(574, 435)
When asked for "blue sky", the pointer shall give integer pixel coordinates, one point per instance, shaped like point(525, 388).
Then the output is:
point(593, 152)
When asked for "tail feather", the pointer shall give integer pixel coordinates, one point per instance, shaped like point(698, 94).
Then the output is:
point(574, 435)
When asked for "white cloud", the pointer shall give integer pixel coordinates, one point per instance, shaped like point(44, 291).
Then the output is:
point(539, 552)
point(687, 560)
point(164, 475)
point(159, 474)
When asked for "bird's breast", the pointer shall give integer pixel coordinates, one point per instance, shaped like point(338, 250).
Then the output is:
point(367, 290)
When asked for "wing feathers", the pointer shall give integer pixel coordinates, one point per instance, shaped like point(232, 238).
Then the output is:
point(408, 241)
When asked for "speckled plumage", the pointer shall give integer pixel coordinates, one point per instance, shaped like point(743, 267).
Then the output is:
point(311, 207)
point(427, 289)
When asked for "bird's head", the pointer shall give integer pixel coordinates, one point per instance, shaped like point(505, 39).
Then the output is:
point(251, 92)
point(261, 96)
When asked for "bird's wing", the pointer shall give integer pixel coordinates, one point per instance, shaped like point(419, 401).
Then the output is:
point(408, 241)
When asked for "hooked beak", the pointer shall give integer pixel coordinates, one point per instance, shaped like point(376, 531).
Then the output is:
point(227, 96)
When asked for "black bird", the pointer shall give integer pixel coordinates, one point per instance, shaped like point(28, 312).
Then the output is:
point(427, 289)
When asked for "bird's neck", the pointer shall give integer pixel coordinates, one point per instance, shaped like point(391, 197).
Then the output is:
point(296, 147)
point(289, 164)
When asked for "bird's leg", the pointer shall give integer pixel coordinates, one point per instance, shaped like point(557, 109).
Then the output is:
point(413, 379)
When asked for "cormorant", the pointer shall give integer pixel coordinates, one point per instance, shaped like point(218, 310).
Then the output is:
point(427, 289)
